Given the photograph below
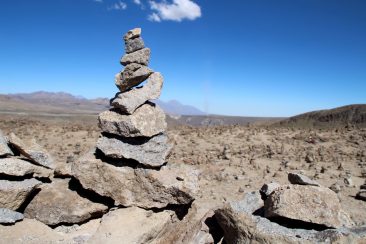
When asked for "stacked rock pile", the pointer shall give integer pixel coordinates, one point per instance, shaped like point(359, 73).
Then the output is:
point(129, 162)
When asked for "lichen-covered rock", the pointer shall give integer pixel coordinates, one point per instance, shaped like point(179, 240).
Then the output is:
point(18, 167)
point(14, 193)
point(129, 101)
point(32, 151)
point(8, 216)
point(56, 204)
point(149, 152)
point(145, 188)
point(4, 148)
point(141, 56)
point(131, 76)
point(318, 205)
point(147, 121)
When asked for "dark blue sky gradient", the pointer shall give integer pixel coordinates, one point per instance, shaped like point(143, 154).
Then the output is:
point(241, 57)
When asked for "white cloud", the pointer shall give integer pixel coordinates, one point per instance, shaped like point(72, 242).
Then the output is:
point(154, 17)
point(118, 6)
point(178, 10)
point(138, 2)
point(98, 1)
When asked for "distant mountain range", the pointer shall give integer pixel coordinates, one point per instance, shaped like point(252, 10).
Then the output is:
point(342, 116)
point(64, 103)
point(68, 103)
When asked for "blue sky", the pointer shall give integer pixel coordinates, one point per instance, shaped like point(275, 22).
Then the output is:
point(239, 57)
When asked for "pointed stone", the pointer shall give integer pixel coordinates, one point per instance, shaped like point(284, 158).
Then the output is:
point(32, 151)
point(149, 152)
point(147, 121)
point(4, 148)
point(140, 187)
point(134, 33)
point(131, 76)
point(299, 179)
point(56, 204)
point(8, 216)
point(18, 167)
point(132, 45)
point(141, 56)
point(14, 193)
point(128, 102)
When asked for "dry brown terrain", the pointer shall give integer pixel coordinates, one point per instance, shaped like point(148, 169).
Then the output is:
point(232, 159)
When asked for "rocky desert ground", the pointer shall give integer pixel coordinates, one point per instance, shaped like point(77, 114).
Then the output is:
point(232, 160)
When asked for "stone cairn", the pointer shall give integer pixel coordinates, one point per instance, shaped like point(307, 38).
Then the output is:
point(129, 163)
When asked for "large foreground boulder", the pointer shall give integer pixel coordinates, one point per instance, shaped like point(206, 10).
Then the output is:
point(318, 205)
point(242, 222)
point(147, 151)
point(145, 188)
point(147, 121)
point(57, 204)
point(131, 225)
point(14, 193)
point(33, 151)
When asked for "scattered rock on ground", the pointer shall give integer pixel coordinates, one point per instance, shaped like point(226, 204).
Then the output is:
point(318, 205)
point(267, 189)
point(300, 179)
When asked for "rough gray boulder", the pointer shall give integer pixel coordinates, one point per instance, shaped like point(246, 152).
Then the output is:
point(131, 76)
point(242, 223)
point(300, 179)
point(132, 45)
point(56, 204)
point(4, 148)
point(32, 151)
point(140, 187)
point(318, 205)
point(18, 167)
point(14, 193)
point(141, 56)
point(128, 102)
point(147, 121)
point(149, 152)
point(8, 216)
